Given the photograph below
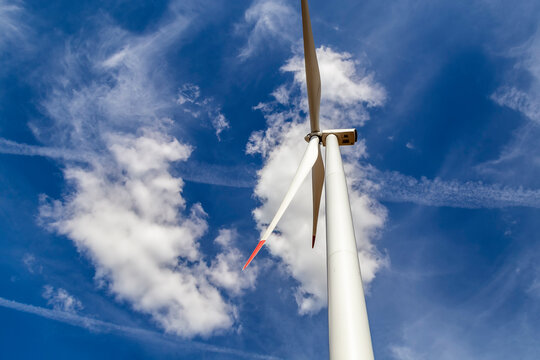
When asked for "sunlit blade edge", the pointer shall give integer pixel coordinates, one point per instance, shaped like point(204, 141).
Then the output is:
point(309, 158)
point(257, 248)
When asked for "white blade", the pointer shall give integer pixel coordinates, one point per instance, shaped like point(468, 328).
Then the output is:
point(317, 182)
point(313, 78)
point(310, 157)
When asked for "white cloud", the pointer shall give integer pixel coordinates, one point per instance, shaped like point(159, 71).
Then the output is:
point(130, 219)
point(225, 270)
point(348, 90)
point(61, 300)
point(124, 209)
point(267, 21)
point(282, 146)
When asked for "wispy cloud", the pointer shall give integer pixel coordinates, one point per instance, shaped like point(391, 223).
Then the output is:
point(189, 96)
point(220, 123)
point(240, 176)
point(14, 148)
point(60, 299)
point(138, 333)
point(29, 261)
point(521, 154)
point(484, 323)
point(396, 187)
point(265, 22)
point(190, 170)
point(526, 99)
point(403, 353)
point(382, 185)
point(519, 101)
point(11, 26)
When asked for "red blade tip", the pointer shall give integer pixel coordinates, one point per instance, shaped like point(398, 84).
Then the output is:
point(313, 242)
point(257, 248)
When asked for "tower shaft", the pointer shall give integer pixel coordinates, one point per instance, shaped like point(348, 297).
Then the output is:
point(349, 334)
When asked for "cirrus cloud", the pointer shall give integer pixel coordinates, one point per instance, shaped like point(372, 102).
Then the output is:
point(267, 19)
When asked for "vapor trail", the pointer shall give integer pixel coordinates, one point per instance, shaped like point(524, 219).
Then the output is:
point(107, 327)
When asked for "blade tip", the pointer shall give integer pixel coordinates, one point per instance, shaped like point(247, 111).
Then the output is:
point(257, 248)
point(313, 242)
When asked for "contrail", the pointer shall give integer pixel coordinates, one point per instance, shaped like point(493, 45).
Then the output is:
point(213, 174)
point(103, 326)
point(389, 186)
point(396, 187)
point(193, 171)
point(14, 148)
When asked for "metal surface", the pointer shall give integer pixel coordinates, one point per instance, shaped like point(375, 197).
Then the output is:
point(349, 334)
point(344, 136)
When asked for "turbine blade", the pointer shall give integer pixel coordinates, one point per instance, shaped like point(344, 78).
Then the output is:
point(313, 78)
point(317, 182)
point(309, 158)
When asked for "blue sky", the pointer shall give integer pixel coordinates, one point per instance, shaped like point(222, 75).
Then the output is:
point(145, 145)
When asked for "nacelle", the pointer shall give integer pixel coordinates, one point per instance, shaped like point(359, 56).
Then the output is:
point(344, 136)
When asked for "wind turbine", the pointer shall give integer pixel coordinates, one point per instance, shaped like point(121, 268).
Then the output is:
point(349, 334)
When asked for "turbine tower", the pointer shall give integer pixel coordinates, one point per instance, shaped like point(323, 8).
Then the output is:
point(349, 334)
